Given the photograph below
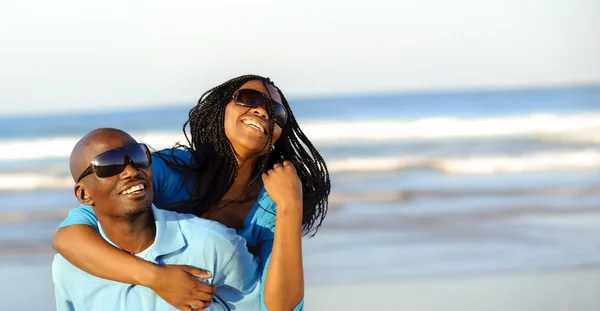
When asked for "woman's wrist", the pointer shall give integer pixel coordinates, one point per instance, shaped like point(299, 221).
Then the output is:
point(148, 274)
point(292, 208)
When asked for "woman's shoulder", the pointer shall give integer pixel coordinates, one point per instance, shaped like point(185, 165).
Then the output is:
point(260, 221)
point(170, 184)
point(167, 159)
point(173, 153)
point(167, 167)
point(264, 209)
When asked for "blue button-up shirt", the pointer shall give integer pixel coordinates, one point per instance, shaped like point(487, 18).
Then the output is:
point(180, 239)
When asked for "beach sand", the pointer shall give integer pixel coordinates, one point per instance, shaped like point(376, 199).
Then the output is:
point(28, 286)
point(397, 259)
point(568, 290)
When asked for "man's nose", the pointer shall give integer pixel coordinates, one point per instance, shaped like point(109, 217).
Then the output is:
point(130, 171)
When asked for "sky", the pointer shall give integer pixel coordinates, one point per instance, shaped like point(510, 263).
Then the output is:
point(69, 56)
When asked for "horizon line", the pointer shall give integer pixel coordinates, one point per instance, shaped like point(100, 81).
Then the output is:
point(365, 94)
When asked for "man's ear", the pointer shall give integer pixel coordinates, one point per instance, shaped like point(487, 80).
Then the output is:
point(82, 195)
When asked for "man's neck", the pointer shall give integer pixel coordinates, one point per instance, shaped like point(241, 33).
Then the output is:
point(133, 234)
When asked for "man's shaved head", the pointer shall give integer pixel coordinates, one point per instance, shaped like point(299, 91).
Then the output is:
point(88, 147)
point(127, 193)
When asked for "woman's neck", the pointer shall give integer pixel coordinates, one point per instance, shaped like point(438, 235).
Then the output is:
point(242, 180)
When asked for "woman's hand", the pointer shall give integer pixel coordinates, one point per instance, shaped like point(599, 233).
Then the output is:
point(179, 286)
point(283, 185)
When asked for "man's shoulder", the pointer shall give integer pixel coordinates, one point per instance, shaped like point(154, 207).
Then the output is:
point(62, 267)
point(65, 273)
point(60, 264)
point(205, 231)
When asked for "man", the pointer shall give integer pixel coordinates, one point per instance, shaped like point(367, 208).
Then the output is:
point(112, 174)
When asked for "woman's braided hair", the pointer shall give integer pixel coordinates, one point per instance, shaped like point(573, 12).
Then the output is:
point(213, 168)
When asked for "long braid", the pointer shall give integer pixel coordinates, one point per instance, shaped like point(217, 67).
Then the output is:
point(214, 166)
point(295, 147)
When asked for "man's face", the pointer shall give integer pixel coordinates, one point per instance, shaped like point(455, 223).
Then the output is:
point(128, 193)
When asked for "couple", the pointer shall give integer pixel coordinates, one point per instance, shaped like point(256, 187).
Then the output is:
point(239, 131)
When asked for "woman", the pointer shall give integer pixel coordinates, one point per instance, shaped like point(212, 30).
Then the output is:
point(230, 172)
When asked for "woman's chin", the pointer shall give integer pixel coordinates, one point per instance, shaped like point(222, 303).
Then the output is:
point(251, 151)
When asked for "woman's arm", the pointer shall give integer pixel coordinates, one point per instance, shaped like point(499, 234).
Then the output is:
point(284, 281)
point(284, 276)
point(80, 244)
point(84, 248)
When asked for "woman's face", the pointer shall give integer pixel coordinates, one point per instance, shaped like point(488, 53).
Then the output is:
point(248, 128)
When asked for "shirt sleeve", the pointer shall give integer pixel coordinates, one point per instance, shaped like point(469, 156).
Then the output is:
point(63, 300)
point(236, 274)
point(82, 215)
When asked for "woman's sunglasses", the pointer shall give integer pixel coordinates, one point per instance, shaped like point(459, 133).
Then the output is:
point(113, 162)
point(254, 99)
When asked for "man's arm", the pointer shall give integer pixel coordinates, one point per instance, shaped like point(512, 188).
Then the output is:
point(63, 300)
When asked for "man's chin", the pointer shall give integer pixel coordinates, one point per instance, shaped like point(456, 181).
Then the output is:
point(138, 210)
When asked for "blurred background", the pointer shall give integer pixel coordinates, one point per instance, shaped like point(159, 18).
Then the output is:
point(462, 137)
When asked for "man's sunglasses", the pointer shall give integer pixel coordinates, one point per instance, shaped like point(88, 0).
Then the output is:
point(254, 99)
point(113, 162)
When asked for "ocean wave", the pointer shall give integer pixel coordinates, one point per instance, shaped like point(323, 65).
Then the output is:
point(582, 128)
point(61, 147)
point(546, 126)
point(500, 164)
point(339, 199)
point(550, 161)
point(24, 182)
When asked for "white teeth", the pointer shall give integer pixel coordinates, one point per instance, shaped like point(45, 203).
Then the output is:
point(254, 124)
point(133, 189)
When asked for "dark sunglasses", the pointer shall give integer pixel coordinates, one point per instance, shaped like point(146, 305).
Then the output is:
point(113, 162)
point(254, 99)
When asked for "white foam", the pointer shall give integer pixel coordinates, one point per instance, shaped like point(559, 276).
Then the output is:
point(450, 127)
point(535, 162)
point(60, 147)
point(592, 136)
point(13, 182)
point(580, 128)
point(556, 161)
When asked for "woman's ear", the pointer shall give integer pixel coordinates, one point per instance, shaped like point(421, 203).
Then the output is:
point(82, 195)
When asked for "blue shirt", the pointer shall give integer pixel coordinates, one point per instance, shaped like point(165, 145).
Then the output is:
point(258, 228)
point(180, 239)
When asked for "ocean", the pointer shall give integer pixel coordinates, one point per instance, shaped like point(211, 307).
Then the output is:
point(513, 143)
point(422, 184)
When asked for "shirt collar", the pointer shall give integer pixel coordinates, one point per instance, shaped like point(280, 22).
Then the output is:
point(168, 239)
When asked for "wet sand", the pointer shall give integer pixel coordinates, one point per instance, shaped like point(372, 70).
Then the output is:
point(28, 286)
point(549, 291)
point(397, 259)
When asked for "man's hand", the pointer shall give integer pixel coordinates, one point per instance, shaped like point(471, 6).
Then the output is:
point(177, 285)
